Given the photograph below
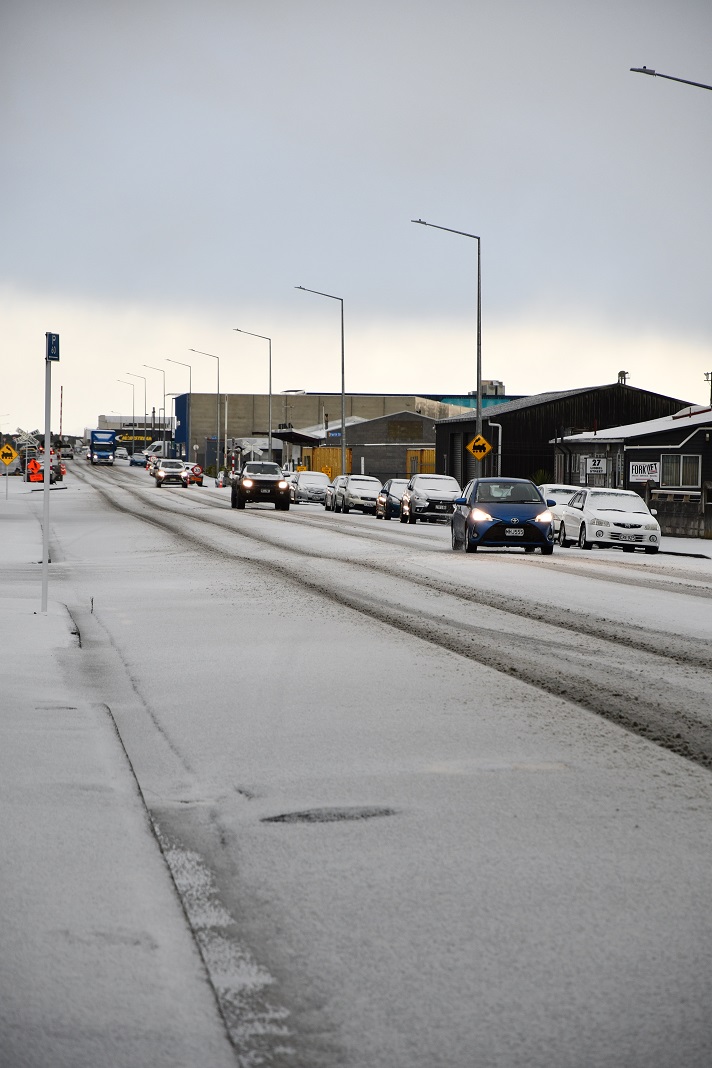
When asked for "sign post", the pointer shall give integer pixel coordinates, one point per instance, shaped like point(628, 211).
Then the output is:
point(7, 455)
point(51, 356)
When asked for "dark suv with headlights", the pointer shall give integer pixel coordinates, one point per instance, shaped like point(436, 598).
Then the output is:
point(260, 481)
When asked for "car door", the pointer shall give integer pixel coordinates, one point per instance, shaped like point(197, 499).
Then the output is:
point(459, 512)
point(571, 517)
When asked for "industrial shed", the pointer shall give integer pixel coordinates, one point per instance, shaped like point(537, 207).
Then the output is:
point(523, 432)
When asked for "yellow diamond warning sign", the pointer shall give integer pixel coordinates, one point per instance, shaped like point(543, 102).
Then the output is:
point(479, 447)
point(7, 454)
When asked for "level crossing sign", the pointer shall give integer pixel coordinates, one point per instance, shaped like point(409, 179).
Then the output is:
point(479, 447)
point(7, 454)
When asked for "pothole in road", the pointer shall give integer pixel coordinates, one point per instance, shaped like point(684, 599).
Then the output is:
point(329, 815)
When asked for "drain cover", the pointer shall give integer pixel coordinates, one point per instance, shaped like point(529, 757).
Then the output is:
point(329, 815)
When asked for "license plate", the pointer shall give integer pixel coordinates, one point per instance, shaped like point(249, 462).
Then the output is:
point(627, 537)
point(514, 532)
point(441, 508)
point(265, 491)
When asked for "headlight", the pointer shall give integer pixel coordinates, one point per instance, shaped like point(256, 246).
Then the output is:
point(480, 516)
point(96, 455)
point(282, 485)
point(600, 523)
point(543, 517)
point(650, 526)
point(247, 483)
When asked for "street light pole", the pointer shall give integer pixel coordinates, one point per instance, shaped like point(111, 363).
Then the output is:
point(474, 237)
point(343, 377)
point(670, 77)
point(269, 339)
point(133, 413)
point(145, 406)
point(152, 368)
point(217, 409)
point(190, 401)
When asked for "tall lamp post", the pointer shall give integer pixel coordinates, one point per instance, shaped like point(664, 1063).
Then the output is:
point(474, 237)
point(670, 77)
point(343, 378)
point(269, 339)
point(190, 401)
point(217, 408)
point(152, 368)
point(133, 412)
point(145, 406)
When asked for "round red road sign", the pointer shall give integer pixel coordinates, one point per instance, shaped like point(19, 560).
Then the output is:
point(197, 469)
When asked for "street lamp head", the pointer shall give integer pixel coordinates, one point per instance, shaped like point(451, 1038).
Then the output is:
point(421, 222)
point(643, 70)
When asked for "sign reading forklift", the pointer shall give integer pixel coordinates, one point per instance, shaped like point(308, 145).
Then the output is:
point(645, 472)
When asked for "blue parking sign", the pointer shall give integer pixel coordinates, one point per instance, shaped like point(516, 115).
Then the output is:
point(52, 346)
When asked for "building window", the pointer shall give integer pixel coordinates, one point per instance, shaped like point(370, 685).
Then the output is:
point(680, 471)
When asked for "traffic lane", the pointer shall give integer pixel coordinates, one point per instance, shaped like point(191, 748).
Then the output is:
point(501, 885)
point(609, 590)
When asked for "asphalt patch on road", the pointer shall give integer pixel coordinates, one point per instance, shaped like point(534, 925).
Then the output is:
point(329, 815)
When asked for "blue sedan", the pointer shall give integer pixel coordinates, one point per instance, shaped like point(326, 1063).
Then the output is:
point(501, 513)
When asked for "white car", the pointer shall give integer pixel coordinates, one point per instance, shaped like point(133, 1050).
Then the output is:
point(608, 517)
point(121, 453)
point(556, 491)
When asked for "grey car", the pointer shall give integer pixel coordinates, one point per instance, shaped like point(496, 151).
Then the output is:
point(309, 487)
point(357, 493)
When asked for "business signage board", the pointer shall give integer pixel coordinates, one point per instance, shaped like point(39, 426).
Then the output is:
point(645, 472)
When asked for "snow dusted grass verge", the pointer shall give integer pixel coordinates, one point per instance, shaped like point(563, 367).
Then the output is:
point(257, 1029)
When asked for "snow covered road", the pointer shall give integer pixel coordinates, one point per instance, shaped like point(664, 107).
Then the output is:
point(424, 809)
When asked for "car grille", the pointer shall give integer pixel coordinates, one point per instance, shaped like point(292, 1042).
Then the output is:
point(629, 526)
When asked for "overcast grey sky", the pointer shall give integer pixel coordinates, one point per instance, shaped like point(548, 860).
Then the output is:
point(172, 170)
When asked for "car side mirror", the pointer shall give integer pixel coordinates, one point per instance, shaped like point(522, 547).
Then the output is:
point(551, 504)
point(460, 500)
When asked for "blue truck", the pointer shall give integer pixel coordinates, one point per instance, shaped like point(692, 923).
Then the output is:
point(102, 446)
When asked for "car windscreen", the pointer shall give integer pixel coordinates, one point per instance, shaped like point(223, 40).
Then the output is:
point(364, 483)
point(617, 502)
point(558, 494)
point(396, 489)
point(263, 469)
point(437, 485)
point(314, 478)
point(172, 465)
point(508, 493)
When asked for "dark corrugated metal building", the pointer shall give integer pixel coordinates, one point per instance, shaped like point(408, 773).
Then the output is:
point(523, 447)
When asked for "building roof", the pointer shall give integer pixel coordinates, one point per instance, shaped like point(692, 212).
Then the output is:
point(693, 415)
point(520, 402)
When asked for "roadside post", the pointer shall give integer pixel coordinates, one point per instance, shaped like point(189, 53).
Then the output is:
point(51, 356)
point(7, 455)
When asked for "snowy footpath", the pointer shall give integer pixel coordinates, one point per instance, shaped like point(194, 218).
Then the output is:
point(98, 967)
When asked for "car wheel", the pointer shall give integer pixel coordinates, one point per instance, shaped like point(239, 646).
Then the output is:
point(561, 537)
point(345, 508)
point(456, 543)
point(386, 514)
point(547, 550)
point(582, 543)
point(412, 518)
point(337, 506)
point(158, 483)
point(470, 546)
point(403, 516)
point(651, 549)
